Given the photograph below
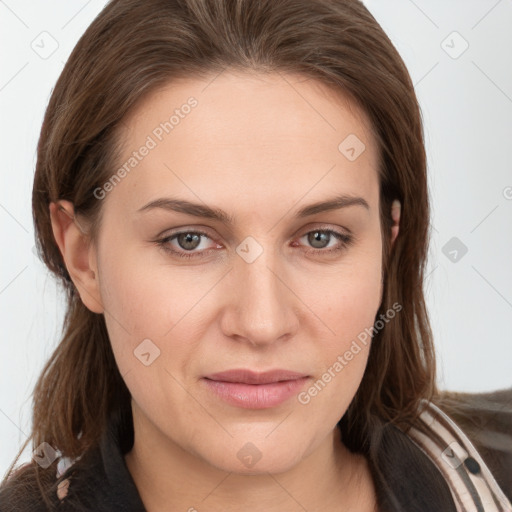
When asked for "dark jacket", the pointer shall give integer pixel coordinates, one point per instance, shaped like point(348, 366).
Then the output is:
point(406, 478)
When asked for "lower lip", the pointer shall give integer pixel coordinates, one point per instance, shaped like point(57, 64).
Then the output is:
point(256, 396)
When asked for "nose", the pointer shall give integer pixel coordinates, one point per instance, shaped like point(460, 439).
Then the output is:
point(263, 307)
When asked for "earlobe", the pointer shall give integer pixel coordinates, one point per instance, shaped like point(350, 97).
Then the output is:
point(77, 253)
point(395, 215)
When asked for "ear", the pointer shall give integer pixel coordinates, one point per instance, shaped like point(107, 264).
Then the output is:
point(395, 215)
point(77, 252)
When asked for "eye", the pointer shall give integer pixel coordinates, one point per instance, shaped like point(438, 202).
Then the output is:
point(188, 241)
point(320, 238)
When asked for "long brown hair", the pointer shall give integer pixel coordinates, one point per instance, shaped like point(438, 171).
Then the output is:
point(131, 49)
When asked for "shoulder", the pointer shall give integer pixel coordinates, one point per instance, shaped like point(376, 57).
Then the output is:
point(486, 419)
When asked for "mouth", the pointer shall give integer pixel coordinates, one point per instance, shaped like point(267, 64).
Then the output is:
point(253, 390)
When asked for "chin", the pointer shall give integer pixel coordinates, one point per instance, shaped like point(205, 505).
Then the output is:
point(250, 460)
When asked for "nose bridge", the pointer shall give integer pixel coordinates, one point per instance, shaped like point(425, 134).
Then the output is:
point(263, 303)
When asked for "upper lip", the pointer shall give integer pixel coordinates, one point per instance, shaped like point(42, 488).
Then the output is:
point(245, 376)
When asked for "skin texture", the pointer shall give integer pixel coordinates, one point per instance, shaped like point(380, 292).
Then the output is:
point(259, 147)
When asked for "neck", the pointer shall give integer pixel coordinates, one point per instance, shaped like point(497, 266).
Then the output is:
point(170, 478)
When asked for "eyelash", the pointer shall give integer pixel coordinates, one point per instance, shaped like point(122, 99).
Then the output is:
point(346, 241)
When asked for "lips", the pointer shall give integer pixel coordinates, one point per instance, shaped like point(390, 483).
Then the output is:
point(243, 376)
point(251, 390)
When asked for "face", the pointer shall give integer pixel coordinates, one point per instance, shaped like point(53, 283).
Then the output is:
point(270, 284)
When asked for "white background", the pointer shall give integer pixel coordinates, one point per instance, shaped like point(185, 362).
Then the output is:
point(467, 109)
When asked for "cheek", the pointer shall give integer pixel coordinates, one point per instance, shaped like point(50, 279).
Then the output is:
point(349, 297)
point(143, 310)
point(151, 308)
point(135, 308)
point(351, 302)
point(143, 293)
point(342, 357)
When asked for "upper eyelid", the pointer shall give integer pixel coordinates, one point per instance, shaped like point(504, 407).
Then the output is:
point(204, 230)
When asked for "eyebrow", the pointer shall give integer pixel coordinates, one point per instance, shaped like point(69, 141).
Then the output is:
point(201, 210)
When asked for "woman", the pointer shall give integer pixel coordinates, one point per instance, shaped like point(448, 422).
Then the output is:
point(234, 196)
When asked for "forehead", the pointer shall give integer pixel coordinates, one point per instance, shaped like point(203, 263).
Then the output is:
point(250, 134)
